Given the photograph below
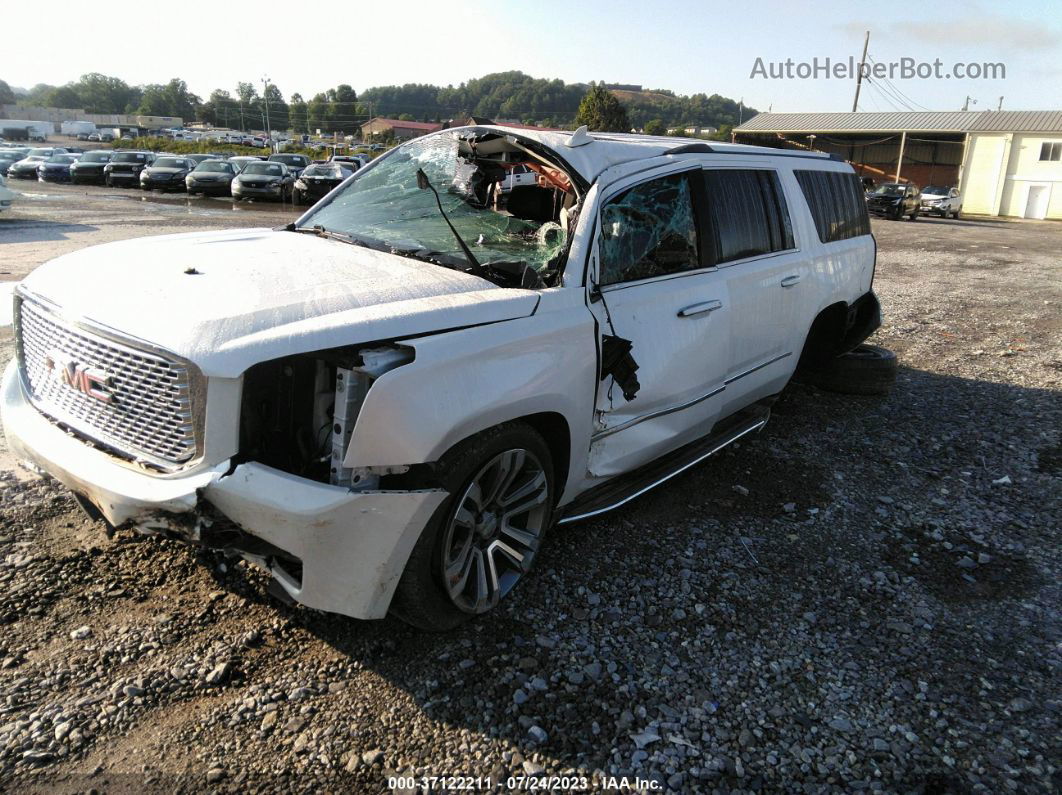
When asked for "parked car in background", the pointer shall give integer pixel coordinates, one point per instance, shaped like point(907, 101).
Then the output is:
point(56, 168)
point(519, 176)
point(125, 167)
point(211, 178)
point(8, 158)
point(201, 157)
point(318, 179)
point(88, 170)
point(242, 160)
point(263, 180)
point(895, 200)
point(26, 168)
point(295, 163)
point(7, 196)
point(166, 173)
point(941, 200)
point(353, 162)
point(386, 421)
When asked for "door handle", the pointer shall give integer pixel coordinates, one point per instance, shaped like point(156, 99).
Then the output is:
point(791, 281)
point(700, 309)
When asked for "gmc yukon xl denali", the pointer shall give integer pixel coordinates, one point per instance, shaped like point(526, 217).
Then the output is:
point(388, 403)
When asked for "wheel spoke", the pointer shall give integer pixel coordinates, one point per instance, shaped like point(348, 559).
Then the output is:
point(482, 584)
point(457, 572)
point(508, 467)
point(530, 501)
point(535, 483)
point(508, 553)
point(523, 538)
point(466, 517)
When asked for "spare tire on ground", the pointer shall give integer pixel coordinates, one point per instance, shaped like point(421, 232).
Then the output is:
point(867, 370)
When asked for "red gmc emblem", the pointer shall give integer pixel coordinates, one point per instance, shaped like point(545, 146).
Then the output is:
point(90, 381)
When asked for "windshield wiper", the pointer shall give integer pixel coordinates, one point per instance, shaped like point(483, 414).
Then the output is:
point(425, 184)
point(320, 231)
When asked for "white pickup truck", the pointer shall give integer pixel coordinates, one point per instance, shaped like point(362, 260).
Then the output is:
point(389, 402)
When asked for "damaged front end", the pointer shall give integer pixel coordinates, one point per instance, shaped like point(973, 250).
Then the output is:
point(333, 536)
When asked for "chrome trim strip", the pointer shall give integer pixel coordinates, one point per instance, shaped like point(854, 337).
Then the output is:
point(664, 479)
point(750, 371)
point(653, 414)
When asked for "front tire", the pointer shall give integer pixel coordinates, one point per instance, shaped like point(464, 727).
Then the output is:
point(485, 537)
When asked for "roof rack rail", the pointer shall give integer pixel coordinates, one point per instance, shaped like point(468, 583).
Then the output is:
point(690, 149)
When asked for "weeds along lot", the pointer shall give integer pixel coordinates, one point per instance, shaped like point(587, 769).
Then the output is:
point(864, 596)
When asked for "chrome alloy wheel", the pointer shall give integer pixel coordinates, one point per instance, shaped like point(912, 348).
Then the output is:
point(495, 530)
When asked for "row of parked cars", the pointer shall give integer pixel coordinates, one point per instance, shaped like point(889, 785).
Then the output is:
point(897, 200)
point(285, 177)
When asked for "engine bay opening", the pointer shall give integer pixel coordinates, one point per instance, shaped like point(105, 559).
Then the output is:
point(298, 413)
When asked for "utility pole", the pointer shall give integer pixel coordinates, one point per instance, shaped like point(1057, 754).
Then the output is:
point(1000, 104)
point(966, 104)
point(741, 110)
point(265, 102)
point(859, 77)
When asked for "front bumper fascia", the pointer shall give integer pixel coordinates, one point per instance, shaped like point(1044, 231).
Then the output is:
point(352, 546)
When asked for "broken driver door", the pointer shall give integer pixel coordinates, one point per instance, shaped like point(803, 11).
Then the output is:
point(652, 290)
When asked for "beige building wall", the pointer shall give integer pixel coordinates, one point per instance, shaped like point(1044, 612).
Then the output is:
point(1002, 171)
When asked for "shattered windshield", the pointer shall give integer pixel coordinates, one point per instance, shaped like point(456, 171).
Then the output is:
point(384, 206)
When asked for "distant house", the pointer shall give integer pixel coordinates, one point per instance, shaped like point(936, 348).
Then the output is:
point(396, 128)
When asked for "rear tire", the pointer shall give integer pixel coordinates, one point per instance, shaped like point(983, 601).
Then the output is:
point(867, 370)
point(460, 566)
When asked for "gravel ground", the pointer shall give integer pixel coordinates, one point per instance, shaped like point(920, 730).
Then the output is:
point(865, 596)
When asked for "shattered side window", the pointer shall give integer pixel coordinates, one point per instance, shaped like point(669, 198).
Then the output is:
point(649, 231)
point(384, 205)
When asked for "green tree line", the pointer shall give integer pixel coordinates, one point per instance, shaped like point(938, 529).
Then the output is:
point(502, 95)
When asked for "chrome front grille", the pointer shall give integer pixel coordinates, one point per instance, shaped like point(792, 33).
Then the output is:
point(144, 404)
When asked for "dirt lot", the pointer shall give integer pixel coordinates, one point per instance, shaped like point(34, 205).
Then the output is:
point(865, 596)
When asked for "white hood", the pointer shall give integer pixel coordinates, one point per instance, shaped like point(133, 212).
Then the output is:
point(259, 294)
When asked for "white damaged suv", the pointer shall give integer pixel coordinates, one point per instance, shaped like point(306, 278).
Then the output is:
point(388, 403)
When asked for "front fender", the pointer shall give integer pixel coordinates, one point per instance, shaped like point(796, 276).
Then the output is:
point(463, 382)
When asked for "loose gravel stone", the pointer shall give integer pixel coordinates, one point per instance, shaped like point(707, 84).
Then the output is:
point(851, 653)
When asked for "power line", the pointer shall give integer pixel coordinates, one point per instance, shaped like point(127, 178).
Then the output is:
point(897, 90)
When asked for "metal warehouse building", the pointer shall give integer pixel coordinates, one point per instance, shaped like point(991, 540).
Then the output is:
point(1004, 162)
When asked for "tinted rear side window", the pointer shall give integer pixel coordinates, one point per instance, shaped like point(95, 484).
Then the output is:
point(836, 203)
point(747, 215)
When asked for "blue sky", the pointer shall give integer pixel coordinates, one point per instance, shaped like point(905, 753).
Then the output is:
point(677, 44)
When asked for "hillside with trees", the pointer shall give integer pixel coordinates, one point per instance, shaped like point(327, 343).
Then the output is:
point(502, 95)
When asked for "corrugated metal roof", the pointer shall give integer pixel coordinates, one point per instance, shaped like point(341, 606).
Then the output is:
point(1019, 121)
point(930, 121)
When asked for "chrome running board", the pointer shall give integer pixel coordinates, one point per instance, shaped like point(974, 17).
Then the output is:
point(622, 489)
